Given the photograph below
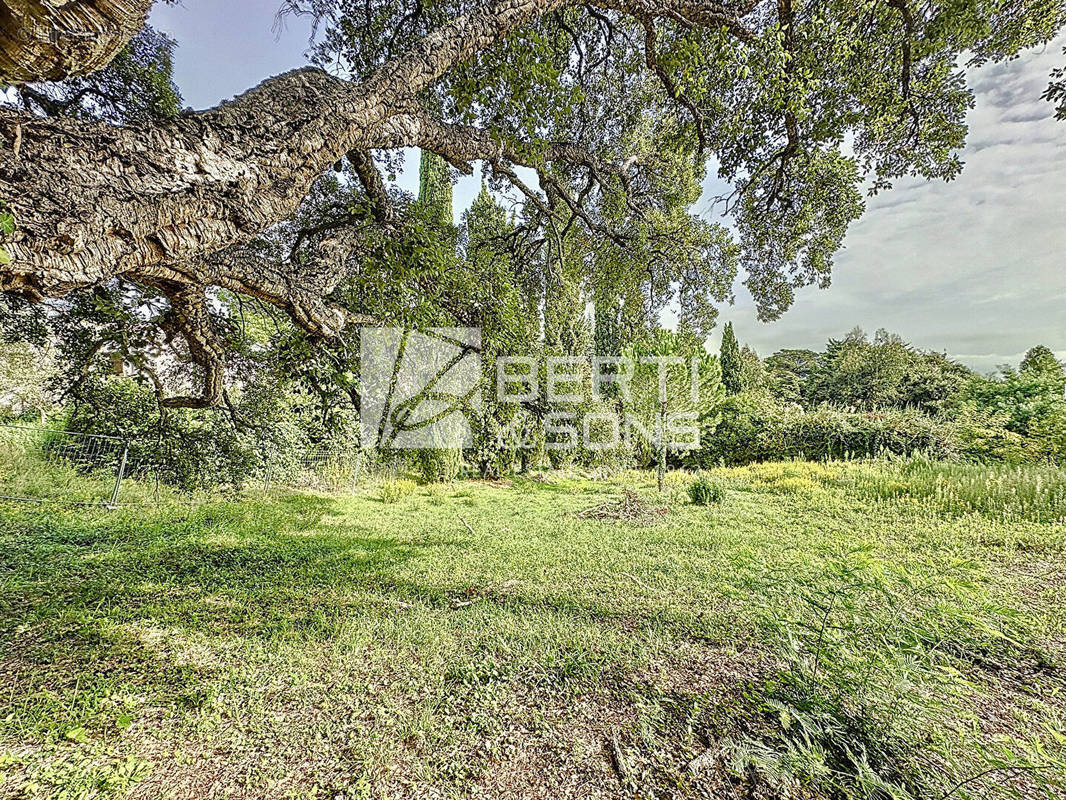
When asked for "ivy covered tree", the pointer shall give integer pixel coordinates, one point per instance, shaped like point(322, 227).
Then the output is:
point(506, 288)
point(567, 328)
point(602, 116)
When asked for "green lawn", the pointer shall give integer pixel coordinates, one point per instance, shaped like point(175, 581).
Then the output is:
point(824, 631)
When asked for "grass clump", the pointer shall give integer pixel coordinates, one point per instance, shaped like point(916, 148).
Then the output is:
point(705, 491)
point(1010, 493)
point(393, 490)
point(868, 673)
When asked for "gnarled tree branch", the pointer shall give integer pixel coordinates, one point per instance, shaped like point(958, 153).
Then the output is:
point(363, 164)
point(189, 317)
point(95, 201)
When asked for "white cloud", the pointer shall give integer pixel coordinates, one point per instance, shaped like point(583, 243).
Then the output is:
point(974, 266)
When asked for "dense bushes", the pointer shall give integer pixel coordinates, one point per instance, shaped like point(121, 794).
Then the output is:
point(984, 437)
point(756, 427)
point(438, 465)
point(863, 397)
point(1016, 418)
point(267, 432)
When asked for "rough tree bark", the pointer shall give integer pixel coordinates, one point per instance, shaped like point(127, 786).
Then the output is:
point(52, 40)
point(96, 201)
point(166, 204)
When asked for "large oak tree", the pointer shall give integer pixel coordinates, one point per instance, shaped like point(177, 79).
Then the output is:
point(616, 107)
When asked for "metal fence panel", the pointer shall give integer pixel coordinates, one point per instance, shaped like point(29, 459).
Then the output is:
point(45, 465)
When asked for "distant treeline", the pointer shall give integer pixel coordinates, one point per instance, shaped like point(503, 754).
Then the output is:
point(858, 397)
point(862, 396)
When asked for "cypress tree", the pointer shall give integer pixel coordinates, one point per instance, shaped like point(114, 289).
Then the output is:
point(435, 188)
point(732, 364)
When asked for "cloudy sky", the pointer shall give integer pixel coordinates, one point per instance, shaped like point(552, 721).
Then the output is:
point(975, 267)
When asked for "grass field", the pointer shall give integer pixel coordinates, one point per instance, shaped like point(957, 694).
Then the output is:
point(843, 630)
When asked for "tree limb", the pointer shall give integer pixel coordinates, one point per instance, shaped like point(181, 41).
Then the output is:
point(363, 164)
point(189, 316)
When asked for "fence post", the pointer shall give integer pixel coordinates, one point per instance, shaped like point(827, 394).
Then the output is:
point(661, 469)
point(121, 473)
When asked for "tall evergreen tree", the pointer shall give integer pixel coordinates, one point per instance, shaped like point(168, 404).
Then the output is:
point(732, 363)
point(606, 334)
point(606, 328)
point(435, 188)
point(566, 326)
point(752, 370)
point(1041, 359)
point(504, 296)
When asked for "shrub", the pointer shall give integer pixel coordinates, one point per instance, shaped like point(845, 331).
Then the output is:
point(1049, 436)
point(439, 465)
point(704, 491)
point(182, 448)
point(505, 439)
point(395, 489)
point(734, 440)
point(984, 437)
point(756, 428)
point(189, 448)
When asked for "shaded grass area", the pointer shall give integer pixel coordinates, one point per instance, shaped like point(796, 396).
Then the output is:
point(43, 465)
point(813, 634)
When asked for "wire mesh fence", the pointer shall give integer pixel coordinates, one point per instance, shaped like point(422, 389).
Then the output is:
point(322, 467)
point(48, 465)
